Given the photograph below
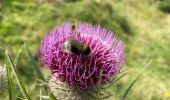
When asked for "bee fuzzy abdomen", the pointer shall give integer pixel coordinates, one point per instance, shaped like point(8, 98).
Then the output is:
point(73, 46)
point(75, 50)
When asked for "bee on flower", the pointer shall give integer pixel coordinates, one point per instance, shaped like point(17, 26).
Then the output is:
point(83, 55)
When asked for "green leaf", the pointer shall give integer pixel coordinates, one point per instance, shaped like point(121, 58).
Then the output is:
point(134, 81)
point(10, 86)
point(18, 78)
point(9, 75)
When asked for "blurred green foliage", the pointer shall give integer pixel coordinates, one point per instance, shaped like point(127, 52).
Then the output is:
point(141, 24)
point(164, 5)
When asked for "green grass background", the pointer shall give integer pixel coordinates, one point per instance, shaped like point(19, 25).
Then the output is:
point(144, 26)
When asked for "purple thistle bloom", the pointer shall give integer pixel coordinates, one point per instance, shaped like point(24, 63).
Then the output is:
point(101, 66)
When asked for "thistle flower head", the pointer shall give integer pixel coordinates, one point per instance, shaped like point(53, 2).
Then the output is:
point(63, 92)
point(73, 63)
point(3, 79)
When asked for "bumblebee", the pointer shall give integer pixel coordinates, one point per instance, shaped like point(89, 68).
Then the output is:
point(73, 28)
point(75, 47)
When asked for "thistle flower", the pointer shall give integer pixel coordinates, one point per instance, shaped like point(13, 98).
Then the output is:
point(63, 92)
point(3, 79)
point(75, 66)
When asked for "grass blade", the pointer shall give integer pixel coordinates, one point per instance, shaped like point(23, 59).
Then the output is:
point(134, 81)
point(120, 77)
point(18, 78)
point(18, 56)
point(114, 81)
point(40, 95)
point(33, 62)
point(106, 97)
point(42, 82)
point(39, 72)
point(10, 86)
